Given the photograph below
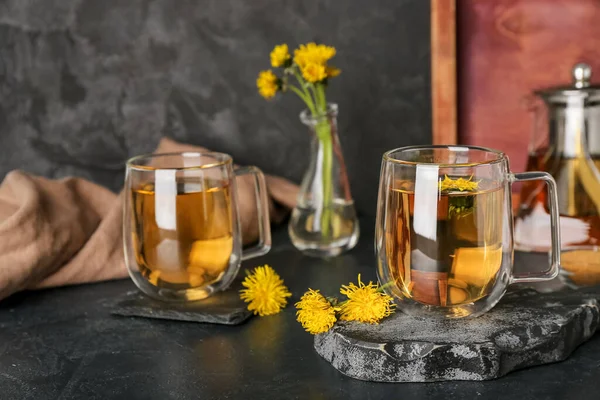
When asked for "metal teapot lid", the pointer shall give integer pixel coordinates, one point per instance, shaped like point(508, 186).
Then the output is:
point(581, 88)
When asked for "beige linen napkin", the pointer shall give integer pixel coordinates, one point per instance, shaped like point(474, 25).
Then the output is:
point(69, 231)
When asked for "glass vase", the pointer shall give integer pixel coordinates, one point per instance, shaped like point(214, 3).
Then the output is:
point(324, 223)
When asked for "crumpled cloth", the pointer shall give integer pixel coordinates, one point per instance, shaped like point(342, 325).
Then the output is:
point(69, 231)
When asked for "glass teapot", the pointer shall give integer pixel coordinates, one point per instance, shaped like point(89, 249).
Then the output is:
point(566, 144)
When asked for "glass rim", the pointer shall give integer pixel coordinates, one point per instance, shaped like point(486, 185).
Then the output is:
point(222, 160)
point(307, 118)
point(500, 155)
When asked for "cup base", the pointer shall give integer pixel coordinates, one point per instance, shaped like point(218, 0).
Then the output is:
point(171, 295)
point(473, 309)
point(417, 310)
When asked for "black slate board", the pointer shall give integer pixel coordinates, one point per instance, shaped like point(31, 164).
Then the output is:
point(224, 308)
point(525, 329)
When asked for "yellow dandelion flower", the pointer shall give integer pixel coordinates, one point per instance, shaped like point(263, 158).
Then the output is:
point(265, 291)
point(366, 303)
point(267, 84)
point(315, 312)
point(314, 72)
point(332, 72)
point(460, 184)
point(313, 53)
point(280, 55)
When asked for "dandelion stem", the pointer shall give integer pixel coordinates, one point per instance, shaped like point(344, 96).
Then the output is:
point(325, 136)
point(304, 98)
point(324, 132)
point(385, 285)
point(318, 107)
point(317, 104)
point(303, 85)
point(321, 92)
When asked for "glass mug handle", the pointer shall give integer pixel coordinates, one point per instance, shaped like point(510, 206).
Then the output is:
point(554, 227)
point(262, 204)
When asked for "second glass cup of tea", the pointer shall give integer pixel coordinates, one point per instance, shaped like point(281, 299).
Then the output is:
point(444, 231)
point(181, 228)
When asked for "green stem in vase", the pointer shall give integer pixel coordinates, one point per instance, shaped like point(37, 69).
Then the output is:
point(320, 93)
point(324, 133)
point(307, 72)
point(314, 97)
point(308, 99)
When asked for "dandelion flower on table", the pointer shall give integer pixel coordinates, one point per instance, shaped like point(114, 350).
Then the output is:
point(315, 312)
point(366, 303)
point(264, 291)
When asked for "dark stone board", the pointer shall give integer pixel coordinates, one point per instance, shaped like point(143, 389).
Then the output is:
point(222, 308)
point(525, 329)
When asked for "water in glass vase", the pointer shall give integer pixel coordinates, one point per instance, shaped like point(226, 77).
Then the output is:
point(307, 231)
point(449, 254)
point(324, 222)
point(182, 240)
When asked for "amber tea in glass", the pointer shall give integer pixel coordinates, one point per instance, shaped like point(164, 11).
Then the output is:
point(460, 264)
point(181, 232)
point(196, 249)
point(444, 229)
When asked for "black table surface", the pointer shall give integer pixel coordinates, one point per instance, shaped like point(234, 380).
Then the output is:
point(64, 344)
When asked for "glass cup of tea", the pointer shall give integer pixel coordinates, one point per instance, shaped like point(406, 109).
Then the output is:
point(444, 230)
point(181, 229)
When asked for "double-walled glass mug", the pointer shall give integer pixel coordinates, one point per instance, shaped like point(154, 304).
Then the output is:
point(444, 230)
point(181, 228)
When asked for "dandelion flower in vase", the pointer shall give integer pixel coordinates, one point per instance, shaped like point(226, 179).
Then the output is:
point(312, 53)
point(280, 56)
point(324, 222)
point(267, 84)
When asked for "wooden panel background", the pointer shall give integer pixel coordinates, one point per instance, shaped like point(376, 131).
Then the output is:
point(506, 49)
point(443, 71)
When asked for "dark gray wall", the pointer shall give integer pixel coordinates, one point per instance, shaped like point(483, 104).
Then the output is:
point(85, 84)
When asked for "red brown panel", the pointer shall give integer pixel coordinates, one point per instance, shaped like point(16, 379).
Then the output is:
point(506, 49)
point(443, 71)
